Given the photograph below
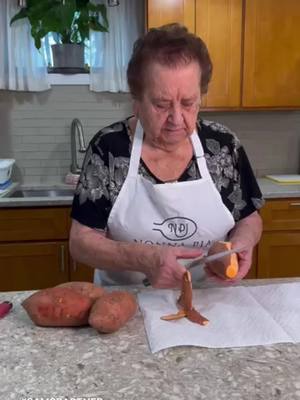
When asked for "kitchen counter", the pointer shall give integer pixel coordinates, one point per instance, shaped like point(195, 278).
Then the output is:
point(270, 190)
point(81, 363)
point(8, 200)
point(273, 190)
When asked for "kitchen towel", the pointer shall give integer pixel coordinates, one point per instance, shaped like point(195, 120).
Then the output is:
point(238, 316)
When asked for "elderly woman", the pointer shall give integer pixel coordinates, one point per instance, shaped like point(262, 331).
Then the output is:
point(163, 184)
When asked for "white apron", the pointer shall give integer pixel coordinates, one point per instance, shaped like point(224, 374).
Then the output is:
point(189, 213)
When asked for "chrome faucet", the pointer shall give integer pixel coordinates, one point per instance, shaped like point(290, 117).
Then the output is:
point(76, 126)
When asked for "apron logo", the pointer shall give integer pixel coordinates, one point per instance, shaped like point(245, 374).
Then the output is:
point(176, 228)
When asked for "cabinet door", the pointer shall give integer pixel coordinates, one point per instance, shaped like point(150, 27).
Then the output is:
point(168, 11)
point(44, 223)
point(219, 24)
point(279, 255)
point(272, 53)
point(281, 215)
point(80, 272)
point(29, 266)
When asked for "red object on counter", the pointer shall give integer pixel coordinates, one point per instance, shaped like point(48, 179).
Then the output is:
point(5, 308)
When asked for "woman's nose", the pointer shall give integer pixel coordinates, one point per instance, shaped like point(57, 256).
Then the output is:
point(175, 115)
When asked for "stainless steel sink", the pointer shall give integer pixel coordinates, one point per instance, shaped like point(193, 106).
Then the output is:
point(19, 193)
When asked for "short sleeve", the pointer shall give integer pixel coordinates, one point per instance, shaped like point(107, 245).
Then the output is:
point(247, 196)
point(91, 204)
point(230, 169)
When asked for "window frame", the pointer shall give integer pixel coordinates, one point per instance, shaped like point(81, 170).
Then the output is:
point(68, 79)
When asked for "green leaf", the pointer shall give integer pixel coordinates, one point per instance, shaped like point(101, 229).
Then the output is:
point(100, 9)
point(81, 4)
point(96, 26)
point(71, 20)
point(21, 14)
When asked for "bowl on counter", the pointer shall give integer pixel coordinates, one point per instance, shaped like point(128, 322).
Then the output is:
point(6, 165)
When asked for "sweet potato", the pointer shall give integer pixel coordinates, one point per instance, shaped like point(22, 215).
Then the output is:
point(86, 288)
point(226, 267)
point(58, 307)
point(111, 311)
point(185, 301)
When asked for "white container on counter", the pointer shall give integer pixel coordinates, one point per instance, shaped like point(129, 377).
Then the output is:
point(6, 165)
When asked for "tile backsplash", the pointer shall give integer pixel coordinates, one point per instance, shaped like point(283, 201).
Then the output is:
point(35, 130)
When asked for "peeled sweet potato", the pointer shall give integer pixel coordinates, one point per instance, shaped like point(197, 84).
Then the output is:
point(86, 288)
point(226, 267)
point(111, 311)
point(58, 306)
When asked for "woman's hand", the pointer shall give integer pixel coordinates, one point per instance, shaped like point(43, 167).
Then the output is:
point(244, 261)
point(166, 271)
point(245, 235)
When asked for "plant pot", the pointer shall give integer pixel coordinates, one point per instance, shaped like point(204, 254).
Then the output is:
point(68, 55)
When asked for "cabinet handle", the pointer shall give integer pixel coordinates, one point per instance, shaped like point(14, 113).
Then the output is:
point(74, 266)
point(297, 204)
point(62, 258)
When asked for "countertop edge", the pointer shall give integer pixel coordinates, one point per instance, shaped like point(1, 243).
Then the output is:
point(269, 189)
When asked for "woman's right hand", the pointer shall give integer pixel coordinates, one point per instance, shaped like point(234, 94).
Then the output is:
point(165, 270)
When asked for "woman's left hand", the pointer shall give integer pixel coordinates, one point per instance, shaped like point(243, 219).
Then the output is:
point(244, 235)
point(244, 258)
point(244, 261)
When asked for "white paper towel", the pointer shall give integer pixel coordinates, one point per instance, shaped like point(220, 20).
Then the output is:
point(238, 316)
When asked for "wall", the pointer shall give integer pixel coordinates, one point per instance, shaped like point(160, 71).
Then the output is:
point(35, 130)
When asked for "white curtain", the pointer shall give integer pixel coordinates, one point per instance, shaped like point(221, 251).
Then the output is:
point(22, 66)
point(110, 52)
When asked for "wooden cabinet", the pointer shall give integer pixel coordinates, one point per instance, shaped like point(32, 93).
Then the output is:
point(279, 248)
point(80, 272)
point(219, 24)
point(254, 46)
point(272, 53)
point(168, 11)
point(35, 265)
point(34, 249)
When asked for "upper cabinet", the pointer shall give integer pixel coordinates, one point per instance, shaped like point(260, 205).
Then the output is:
point(219, 24)
point(272, 53)
point(168, 11)
point(254, 46)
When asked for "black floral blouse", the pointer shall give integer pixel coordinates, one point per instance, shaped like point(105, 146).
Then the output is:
point(106, 165)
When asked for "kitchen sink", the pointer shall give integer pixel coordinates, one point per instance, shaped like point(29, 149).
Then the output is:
point(19, 193)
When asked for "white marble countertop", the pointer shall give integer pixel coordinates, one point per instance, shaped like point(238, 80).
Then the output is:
point(70, 363)
point(273, 190)
point(269, 188)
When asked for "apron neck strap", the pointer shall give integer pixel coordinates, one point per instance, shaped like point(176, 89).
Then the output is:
point(199, 154)
point(137, 150)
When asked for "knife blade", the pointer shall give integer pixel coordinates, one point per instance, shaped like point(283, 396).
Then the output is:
point(202, 260)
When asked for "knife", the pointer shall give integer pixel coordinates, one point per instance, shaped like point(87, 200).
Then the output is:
point(202, 260)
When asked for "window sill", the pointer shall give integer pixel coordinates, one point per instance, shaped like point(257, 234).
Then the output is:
point(69, 79)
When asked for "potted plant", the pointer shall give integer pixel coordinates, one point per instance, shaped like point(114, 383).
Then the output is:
point(70, 21)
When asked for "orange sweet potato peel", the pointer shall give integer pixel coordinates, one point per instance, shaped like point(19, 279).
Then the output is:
point(185, 301)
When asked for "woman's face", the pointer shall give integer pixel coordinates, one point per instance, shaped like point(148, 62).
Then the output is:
point(170, 103)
